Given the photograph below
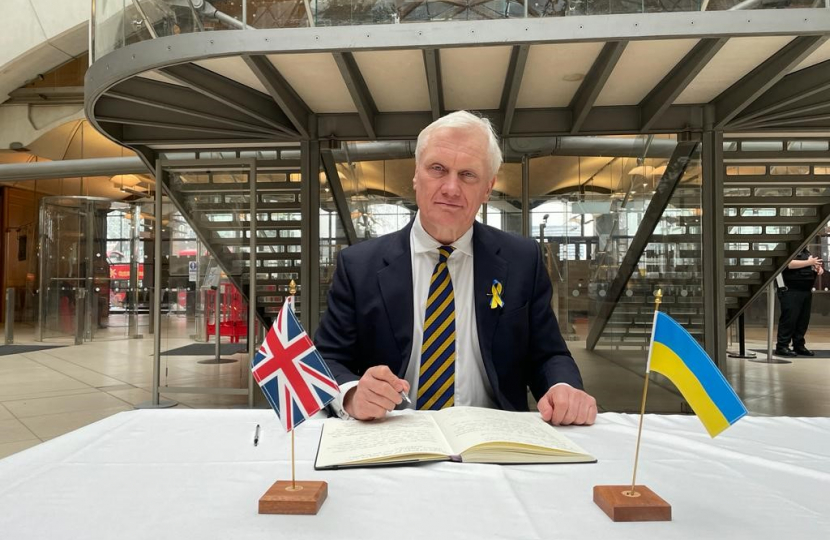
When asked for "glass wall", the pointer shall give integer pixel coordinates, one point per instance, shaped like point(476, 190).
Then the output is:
point(583, 210)
point(94, 269)
point(205, 246)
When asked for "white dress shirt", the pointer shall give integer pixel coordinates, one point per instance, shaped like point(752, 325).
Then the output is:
point(472, 387)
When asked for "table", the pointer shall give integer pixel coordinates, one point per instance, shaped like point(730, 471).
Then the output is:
point(196, 474)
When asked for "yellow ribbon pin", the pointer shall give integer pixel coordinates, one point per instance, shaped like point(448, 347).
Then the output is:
point(496, 300)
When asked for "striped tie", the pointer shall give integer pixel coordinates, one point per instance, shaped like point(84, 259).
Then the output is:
point(436, 378)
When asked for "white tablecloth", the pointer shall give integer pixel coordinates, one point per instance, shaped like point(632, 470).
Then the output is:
point(196, 475)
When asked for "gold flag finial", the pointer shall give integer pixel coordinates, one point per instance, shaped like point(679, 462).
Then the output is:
point(658, 299)
point(292, 287)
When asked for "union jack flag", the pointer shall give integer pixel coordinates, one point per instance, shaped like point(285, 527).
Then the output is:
point(292, 374)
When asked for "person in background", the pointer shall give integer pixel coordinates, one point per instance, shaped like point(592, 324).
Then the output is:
point(795, 297)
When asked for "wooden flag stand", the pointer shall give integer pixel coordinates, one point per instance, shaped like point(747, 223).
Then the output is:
point(284, 497)
point(633, 502)
point(293, 497)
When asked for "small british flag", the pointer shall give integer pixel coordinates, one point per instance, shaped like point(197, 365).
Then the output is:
point(292, 374)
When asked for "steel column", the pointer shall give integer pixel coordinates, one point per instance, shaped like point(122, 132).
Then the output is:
point(252, 318)
point(155, 401)
point(525, 196)
point(132, 317)
point(712, 244)
point(310, 204)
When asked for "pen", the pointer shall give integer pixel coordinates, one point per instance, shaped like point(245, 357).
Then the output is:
point(405, 397)
point(256, 435)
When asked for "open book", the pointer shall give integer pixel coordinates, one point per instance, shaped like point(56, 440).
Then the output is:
point(468, 434)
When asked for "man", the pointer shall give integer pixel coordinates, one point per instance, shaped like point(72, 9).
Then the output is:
point(447, 310)
point(796, 298)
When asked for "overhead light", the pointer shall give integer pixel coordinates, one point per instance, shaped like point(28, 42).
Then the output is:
point(573, 77)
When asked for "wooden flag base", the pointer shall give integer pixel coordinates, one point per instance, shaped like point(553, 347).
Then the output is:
point(306, 498)
point(620, 505)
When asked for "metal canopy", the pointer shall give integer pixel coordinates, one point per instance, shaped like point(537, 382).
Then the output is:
point(598, 75)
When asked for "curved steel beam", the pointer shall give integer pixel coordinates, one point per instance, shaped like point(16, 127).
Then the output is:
point(153, 54)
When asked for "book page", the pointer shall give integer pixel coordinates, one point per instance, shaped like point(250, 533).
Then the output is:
point(344, 441)
point(465, 427)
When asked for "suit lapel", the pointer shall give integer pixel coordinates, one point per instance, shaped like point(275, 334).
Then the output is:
point(487, 266)
point(395, 281)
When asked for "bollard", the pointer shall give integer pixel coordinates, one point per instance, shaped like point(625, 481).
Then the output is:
point(80, 296)
point(10, 316)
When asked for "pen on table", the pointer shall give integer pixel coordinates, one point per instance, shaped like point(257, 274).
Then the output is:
point(405, 397)
point(256, 435)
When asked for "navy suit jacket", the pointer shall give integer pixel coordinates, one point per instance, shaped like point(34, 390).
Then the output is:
point(370, 314)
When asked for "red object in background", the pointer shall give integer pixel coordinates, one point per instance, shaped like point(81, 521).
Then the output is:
point(232, 313)
point(122, 271)
point(67, 314)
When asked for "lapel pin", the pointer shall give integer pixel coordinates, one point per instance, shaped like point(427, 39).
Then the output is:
point(495, 295)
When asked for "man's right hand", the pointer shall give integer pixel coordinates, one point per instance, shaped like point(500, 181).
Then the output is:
point(376, 393)
point(814, 261)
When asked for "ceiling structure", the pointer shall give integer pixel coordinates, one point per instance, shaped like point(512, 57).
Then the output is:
point(598, 75)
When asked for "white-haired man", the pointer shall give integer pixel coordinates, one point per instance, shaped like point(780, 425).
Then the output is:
point(447, 310)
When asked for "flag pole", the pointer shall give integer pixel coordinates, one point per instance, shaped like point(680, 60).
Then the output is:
point(658, 298)
point(292, 290)
point(293, 480)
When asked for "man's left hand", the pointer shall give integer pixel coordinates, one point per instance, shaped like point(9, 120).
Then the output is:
point(564, 405)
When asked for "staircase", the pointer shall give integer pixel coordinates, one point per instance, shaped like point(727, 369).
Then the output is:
point(776, 199)
point(670, 262)
point(217, 207)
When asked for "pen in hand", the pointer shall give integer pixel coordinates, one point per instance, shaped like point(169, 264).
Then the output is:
point(405, 397)
point(256, 435)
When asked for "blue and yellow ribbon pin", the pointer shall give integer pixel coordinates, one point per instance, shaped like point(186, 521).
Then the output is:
point(496, 300)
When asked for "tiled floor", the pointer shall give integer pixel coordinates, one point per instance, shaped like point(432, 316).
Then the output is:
point(47, 393)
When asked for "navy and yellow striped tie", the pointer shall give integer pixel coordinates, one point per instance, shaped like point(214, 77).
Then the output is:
point(436, 379)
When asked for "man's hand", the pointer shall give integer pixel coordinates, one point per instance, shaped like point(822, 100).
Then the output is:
point(564, 405)
point(819, 269)
point(376, 393)
point(814, 261)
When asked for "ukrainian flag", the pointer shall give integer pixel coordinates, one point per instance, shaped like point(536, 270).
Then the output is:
point(678, 356)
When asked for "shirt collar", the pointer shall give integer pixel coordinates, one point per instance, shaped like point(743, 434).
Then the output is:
point(424, 243)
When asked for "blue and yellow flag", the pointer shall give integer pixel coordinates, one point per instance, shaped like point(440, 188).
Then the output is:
point(678, 356)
